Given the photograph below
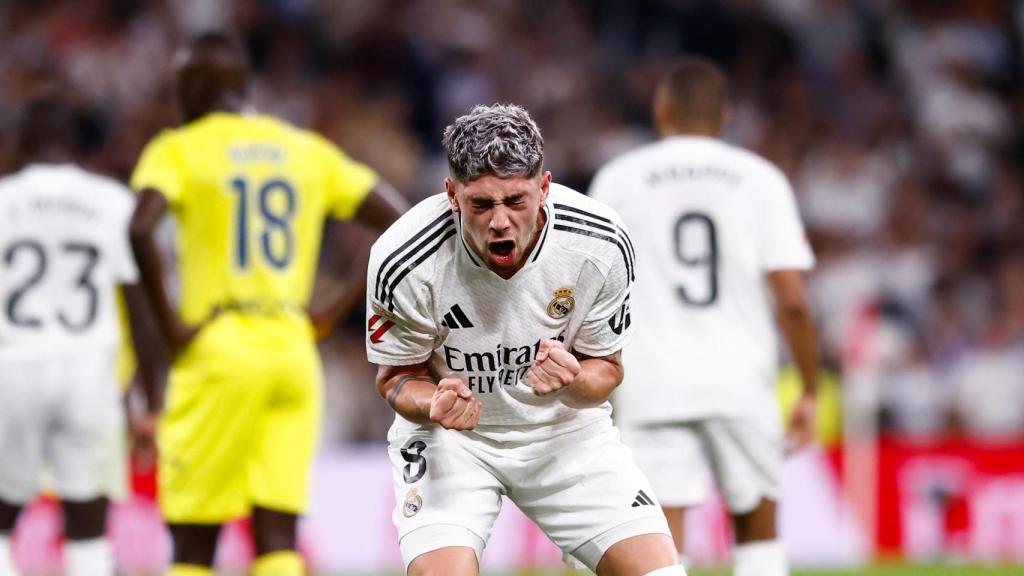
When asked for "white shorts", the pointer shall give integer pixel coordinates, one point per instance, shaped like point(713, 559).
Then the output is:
point(64, 415)
point(583, 490)
point(745, 455)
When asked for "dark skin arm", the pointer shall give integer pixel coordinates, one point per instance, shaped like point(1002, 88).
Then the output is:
point(381, 207)
point(795, 320)
point(150, 209)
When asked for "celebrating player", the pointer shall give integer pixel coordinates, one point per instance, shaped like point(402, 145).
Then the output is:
point(63, 251)
point(713, 226)
point(496, 316)
point(250, 195)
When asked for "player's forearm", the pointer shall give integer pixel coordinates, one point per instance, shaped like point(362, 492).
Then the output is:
point(797, 326)
point(408, 392)
point(595, 383)
point(144, 346)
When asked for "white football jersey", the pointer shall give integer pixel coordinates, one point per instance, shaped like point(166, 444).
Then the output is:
point(431, 299)
point(63, 250)
point(709, 220)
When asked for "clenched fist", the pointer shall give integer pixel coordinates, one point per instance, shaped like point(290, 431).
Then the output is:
point(553, 369)
point(453, 405)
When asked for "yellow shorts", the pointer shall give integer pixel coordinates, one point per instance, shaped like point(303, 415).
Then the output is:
point(241, 421)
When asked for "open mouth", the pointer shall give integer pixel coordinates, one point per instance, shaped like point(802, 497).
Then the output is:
point(502, 252)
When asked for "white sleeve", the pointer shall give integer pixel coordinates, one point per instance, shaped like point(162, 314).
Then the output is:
point(400, 329)
point(602, 189)
point(122, 258)
point(783, 243)
point(607, 326)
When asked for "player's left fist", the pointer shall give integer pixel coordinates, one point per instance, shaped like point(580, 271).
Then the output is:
point(553, 369)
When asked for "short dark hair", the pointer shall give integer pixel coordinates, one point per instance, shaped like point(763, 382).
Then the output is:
point(46, 121)
point(697, 90)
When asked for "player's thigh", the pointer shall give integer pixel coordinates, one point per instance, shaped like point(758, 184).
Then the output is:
point(638, 555)
point(445, 496)
point(24, 423)
point(205, 437)
point(589, 496)
point(746, 456)
point(672, 458)
point(280, 464)
point(87, 448)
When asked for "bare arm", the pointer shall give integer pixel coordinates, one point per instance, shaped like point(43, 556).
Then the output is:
point(796, 322)
point(144, 344)
point(580, 381)
point(598, 378)
point(379, 210)
point(418, 397)
point(381, 207)
point(148, 212)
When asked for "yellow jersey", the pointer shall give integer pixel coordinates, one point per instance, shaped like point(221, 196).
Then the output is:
point(250, 194)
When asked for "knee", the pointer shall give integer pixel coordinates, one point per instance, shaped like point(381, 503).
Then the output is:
point(756, 525)
point(8, 516)
point(273, 531)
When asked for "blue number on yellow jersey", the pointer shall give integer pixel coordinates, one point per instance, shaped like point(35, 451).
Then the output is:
point(250, 194)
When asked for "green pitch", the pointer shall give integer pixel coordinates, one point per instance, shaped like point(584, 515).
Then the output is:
point(890, 570)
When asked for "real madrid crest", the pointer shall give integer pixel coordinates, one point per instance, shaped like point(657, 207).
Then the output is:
point(562, 304)
point(413, 503)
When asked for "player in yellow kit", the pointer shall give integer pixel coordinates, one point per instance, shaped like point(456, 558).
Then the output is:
point(250, 194)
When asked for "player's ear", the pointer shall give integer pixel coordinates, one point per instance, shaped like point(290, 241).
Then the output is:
point(545, 186)
point(449, 187)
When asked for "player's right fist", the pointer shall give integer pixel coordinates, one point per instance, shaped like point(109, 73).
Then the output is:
point(453, 405)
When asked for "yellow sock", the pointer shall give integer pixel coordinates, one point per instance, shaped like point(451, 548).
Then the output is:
point(189, 570)
point(283, 563)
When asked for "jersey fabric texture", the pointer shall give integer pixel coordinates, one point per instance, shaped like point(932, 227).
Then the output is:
point(63, 251)
point(249, 194)
point(432, 300)
point(709, 220)
point(442, 305)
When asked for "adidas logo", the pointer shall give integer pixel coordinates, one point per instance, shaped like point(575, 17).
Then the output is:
point(642, 500)
point(456, 318)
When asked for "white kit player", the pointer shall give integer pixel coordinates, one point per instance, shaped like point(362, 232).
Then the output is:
point(496, 315)
point(715, 229)
point(63, 251)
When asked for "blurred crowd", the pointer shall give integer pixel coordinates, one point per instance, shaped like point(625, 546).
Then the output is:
point(899, 123)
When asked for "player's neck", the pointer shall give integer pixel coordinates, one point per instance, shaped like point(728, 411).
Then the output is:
point(52, 155)
point(225, 105)
point(706, 130)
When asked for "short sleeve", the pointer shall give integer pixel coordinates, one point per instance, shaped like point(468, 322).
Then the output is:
point(125, 269)
point(348, 181)
point(607, 326)
point(601, 187)
point(160, 168)
point(399, 325)
point(784, 244)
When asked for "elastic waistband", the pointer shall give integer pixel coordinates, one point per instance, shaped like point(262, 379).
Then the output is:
point(256, 307)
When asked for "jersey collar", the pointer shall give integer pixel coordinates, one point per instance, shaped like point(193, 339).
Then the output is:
point(468, 255)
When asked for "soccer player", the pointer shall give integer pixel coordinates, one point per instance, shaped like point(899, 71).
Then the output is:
point(715, 227)
point(250, 194)
point(496, 315)
point(63, 252)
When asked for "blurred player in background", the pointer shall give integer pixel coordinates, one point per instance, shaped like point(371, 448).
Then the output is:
point(250, 194)
point(496, 315)
point(715, 227)
point(63, 251)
